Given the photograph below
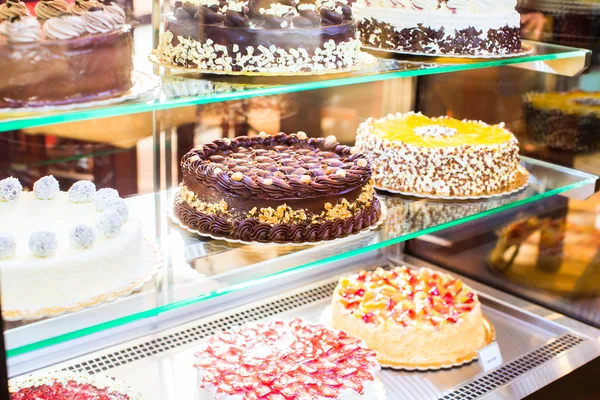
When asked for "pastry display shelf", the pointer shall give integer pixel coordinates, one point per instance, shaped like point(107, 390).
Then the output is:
point(179, 91)
point(200, 270)
point(537, 346)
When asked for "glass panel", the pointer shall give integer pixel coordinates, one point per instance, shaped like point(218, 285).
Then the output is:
point(176, 91)
point(201, 269)
point(548, 251)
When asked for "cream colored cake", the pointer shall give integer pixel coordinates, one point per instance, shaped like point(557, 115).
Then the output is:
point(441, 156)
point(411, 318)
point(60, 251)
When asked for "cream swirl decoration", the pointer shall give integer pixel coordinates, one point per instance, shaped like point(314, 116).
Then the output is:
point(459, 6)
point(117, 13)
point(99, 21)
point(64, 27)
point(81, 6)
point(426, 5)
point(396, 3)
point(47, 9)
point(23, 30)
point(13, 8)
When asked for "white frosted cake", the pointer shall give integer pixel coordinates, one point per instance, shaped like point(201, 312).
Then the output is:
point(61, 251)
point(285, 360)
point(467, 27)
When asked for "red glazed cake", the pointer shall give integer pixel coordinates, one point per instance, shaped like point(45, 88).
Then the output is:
point(70, 386)
point(285, 361)
point(282, 188)
point(65, 54)
point(412, 318)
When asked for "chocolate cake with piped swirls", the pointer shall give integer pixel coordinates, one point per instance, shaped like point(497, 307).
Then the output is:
point(445, 27)
point(282, 188)
point(443, 156)
point(411, 318)
point(260, 36)
point(64, 54)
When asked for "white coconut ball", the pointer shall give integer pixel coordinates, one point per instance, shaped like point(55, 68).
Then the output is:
point(82, 192)
point(118, 205)
point(109, 223)
point(43, 243)
point(46, 188)
point(10, 189)
point(102, 196)
point(8, 245)
point(82, 236)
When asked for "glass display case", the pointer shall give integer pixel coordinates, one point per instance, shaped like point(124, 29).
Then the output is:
point(197, 223)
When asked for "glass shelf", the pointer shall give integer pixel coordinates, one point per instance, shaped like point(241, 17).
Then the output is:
point(178, 91)
point(201, 269)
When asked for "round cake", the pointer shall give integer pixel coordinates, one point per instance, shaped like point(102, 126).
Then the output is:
point(281, 188)
point(286, 360)
point(565, 121)
point(72, 249)
point(69, 386)
point(446, 27)
point(442, 156)
point(260, 36)
point(411, 318)
point(66, 54)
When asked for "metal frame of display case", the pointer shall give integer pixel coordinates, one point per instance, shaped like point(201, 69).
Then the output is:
point(538, 345)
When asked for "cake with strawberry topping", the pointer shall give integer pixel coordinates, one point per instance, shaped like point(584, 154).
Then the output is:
point(70, 386)
point(285, 361)
point(411, 318)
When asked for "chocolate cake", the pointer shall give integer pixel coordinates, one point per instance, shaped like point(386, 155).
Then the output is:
point(282, 188)
point(456, 27)
point(260, 36)
point(65, 55)
point(565, 121)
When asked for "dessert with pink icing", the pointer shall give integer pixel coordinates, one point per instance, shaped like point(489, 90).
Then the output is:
point(451, 27)
point(85, 48)
point(285, 360)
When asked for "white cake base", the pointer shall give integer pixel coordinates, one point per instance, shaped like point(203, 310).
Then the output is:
point(70, 276)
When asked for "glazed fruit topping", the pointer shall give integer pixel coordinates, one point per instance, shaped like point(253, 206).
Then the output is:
point(285, 360)
point(69, 391)
point(406, 296)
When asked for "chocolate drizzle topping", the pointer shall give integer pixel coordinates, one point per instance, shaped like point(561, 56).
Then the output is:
point(284, 159)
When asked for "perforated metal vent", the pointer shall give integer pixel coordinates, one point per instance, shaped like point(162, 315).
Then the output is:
point(515, 368)
point(199, 332)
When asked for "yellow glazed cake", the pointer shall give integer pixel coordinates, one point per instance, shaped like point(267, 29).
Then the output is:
point(411, 318)
point(441, 156)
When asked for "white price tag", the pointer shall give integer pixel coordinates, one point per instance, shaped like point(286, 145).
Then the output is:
point(490, 356)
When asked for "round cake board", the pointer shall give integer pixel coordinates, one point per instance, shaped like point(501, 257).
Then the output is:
point(152, 258)
point(143, 84)
point(366, 230)
point(519, 184)
point(526, 49)
point(490, 336)
point(365, 61)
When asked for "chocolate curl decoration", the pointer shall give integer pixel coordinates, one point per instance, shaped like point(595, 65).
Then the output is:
point(274, 22)
point(235, 18)
point(312, 16)
point(330, 17)
point(208, 16)
point(346, 11)
point(302, 22)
